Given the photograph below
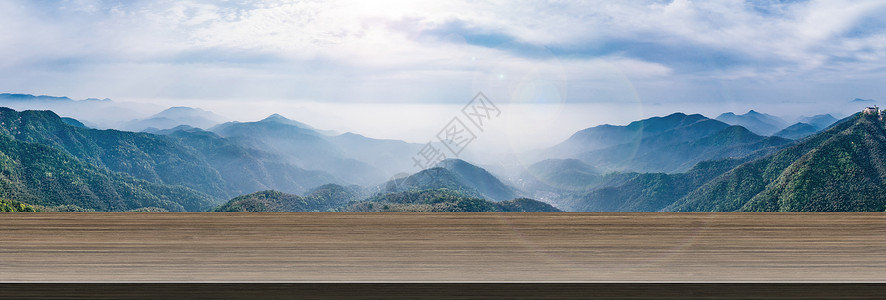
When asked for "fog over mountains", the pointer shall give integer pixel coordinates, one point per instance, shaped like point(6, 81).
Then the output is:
point(190, 159)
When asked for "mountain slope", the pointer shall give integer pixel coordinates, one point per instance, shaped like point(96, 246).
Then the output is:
point(487, 184)
point(679, 149)
point(759, 123)
point(456, 175)
point(41, 175)
point(820, 121)
point(559, 174)
point(431, 179)
point(154, 158)
point(246, 170)
point(797, 131)
point(645, 191)
point(840, 169)
point(444, 200)
point(389, 156)
point(324, 198)
point(605, 136)
point(73, 122)
point(299, 145)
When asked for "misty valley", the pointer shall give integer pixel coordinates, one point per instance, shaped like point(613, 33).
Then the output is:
point(189, 159)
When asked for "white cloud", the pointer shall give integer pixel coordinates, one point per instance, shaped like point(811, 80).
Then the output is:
point(374, 47)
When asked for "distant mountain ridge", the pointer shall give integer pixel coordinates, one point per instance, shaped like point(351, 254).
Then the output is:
point(29, 97)
point(605, 136)
point(759, 123)
point(673, 143)
point(559, 175)
point(797, 131)
point(177, 116)
point(246, 170)
point(820, 122)
point(301, 146)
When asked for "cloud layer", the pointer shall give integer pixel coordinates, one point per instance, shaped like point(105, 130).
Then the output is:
point(444, 51)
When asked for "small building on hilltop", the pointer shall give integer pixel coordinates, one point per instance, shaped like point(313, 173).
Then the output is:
point(871, 110)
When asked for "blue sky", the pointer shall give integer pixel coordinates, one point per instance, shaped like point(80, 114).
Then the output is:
point(729, 53)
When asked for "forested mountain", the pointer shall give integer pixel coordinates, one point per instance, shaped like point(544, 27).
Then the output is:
point(47, 176)
point(73, 122)
point(797, 131)
point(431, 179)
point(559, 175)
point(456, 175)
point(324, 198)
point(301, 146)
point(840, 169)
point(445, 200)
point(194, 158)
point(674, 143)
point(759, 123)
point(807, 126)
point(674, 163)
point(350, 157)
point(666, 153)
point(246, 170)
point(339, 198)
point(389, 156)
point(153, 158)
point(820, 121)
point(677, 125)
point(644, 191)
point(487, 184)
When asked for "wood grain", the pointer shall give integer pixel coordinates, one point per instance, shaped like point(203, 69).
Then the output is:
point(442, 247)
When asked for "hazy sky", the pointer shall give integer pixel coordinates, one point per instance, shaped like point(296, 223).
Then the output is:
point(636, 57)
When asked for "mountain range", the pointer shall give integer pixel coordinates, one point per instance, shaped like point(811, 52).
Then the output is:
point(57, 164)
point(35, 170)
point(759, 123)
point(174, 117)
point(678, 162)
point(840, 169)
point(807, 126)
point(674, 143)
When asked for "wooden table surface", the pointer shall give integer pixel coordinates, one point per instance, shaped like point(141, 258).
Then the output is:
point(442, 247)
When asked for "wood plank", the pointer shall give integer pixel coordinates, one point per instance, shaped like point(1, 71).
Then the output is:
point(442, 247)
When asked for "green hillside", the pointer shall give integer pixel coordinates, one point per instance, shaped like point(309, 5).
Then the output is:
point(7, 205)
point(153, 158)
point(455, 175)
point(645, 191)
point(41, 175)
point(246, 170)
point(324, 198)
point(840, 169)
point(444, 200)
point(559, 176)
